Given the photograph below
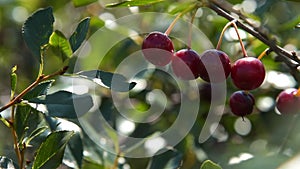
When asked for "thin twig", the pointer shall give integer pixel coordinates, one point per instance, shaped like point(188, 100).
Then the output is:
point(41, 78)
point(277, 49)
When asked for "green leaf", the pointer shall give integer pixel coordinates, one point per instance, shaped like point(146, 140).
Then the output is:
point(38, 131)
point(37, 29)
point(27, 122)
point(7, 163)
point(51, 151)
point(65, 104)
point(130, 3)
point(13, 81)
point(79, 35)
point(209, 165)
point(169, 159)
point(40, 89)
point(120, 82)
point(60, 45)
point(78, 3)
point(76, 147)
point(182, 6)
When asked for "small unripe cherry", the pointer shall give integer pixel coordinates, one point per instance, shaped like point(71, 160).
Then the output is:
point(241, 103)
point(248, 73)
point(215, 66)
point(287, 102)
point(185, 64)
point(158, 48)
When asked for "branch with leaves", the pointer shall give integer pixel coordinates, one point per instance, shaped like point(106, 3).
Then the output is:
point(289, 58)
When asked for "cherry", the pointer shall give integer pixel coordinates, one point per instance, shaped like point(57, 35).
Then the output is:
point(241, 103)
point(158, 48)
point(287, 102)
point(211, 60)
point(248, 73)
point(185, 64)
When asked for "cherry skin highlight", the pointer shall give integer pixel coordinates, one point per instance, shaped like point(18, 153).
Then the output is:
point(248, 73)
point(158, 48)
point(185, 64)
point(287, 102)
point(241, 103)
point(215, 66)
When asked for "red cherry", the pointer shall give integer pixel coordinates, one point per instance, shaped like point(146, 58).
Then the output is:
point(287, 102)
point(158, 48)
point(186, 64)
point(241, 103)
point(248, 73)
point(211, 61)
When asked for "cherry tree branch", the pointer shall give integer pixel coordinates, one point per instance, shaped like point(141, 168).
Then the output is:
point(41, 78)
point(291, 59)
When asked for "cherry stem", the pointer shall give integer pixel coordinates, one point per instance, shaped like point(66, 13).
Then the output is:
point(170, 28)
point(238, 35)
point(222, 34)
point(263, 54)
point(190, 30)
point(168, 31)
point(298, 93)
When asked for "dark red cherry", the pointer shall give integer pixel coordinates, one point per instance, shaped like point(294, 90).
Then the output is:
point(215, 66)
point(158, 48)
point(287, 102)
point(241, 103)
point(186, 64)
point(248, 73)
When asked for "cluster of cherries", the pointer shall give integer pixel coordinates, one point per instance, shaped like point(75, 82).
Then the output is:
point(214, 66)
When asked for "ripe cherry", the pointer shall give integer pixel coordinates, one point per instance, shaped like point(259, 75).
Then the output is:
point(158, 48)
point(215, 66)
point(186, 64)
point(248, 73)
point(287, 102)
point(241, 103)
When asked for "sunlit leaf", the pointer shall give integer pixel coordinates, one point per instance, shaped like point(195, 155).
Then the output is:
point(106, 78)
point(38, 131)
point(40, 89)
point(13, 81)
point(27, 121)
point(7, 163)
point(51, 151)
point(79, 35)
point(60, 45)
point(37, 30)
point(65, 104)
point(208, 164)
point(169, 159)
point(78, 3)
point(130, 3)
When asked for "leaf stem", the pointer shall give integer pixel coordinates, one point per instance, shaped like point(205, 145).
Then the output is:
point(41, 78)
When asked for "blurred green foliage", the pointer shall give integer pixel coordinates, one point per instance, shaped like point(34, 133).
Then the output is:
point(258, 148)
